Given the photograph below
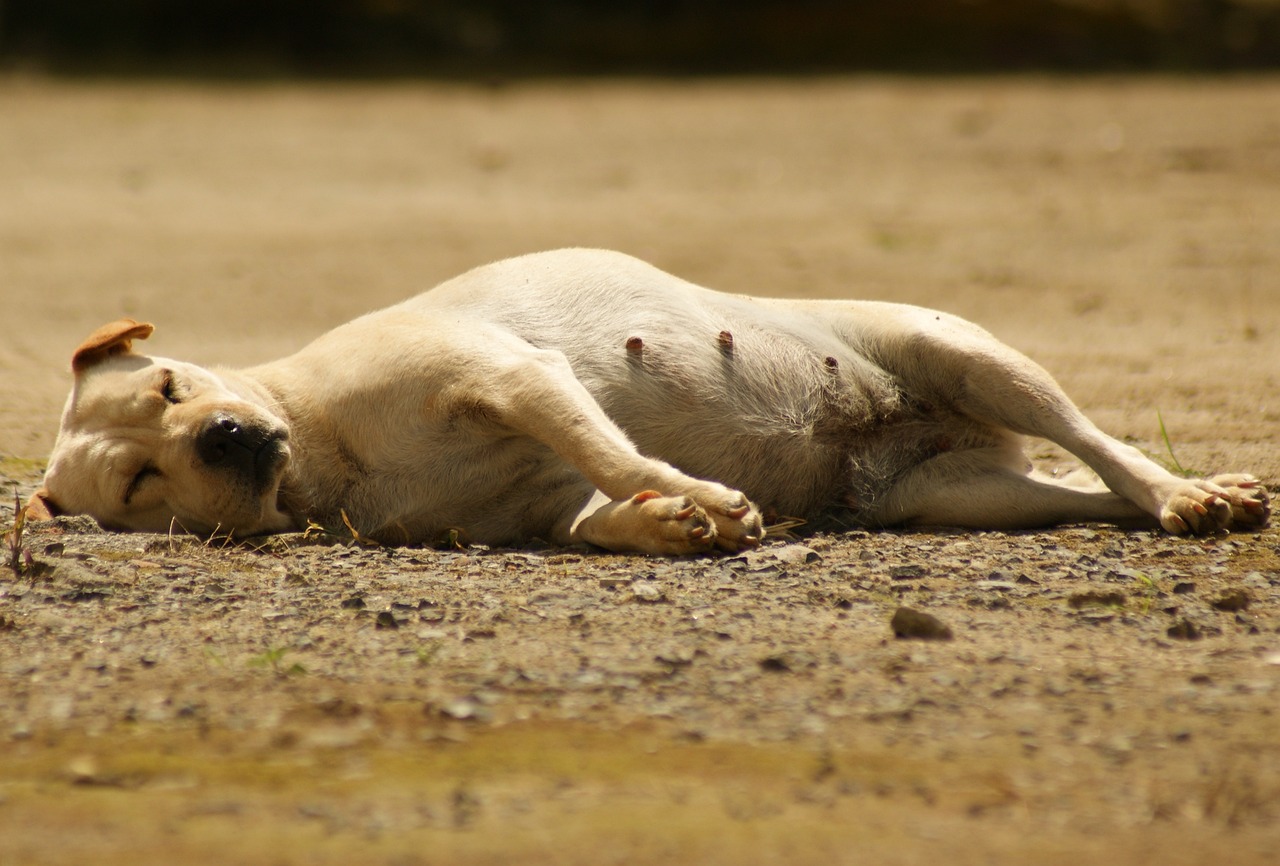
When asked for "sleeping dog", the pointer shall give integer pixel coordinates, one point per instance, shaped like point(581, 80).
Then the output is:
point(584, 396)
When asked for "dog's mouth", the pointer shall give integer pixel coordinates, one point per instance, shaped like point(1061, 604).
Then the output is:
point(270, 459)
point(269, 464)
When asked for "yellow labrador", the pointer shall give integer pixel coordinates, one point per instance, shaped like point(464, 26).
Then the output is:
point(583, 395)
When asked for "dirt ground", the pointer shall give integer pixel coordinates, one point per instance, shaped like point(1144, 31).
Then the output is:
point(1106, 695)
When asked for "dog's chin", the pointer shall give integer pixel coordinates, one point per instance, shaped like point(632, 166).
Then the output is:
point(275, 513)
point(268, 521)
point(267, 513)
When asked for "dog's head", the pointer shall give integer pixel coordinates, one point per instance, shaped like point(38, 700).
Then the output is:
point(150, 444)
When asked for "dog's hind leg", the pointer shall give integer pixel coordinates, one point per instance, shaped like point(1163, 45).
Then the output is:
point(992, 488)
point(956, 364)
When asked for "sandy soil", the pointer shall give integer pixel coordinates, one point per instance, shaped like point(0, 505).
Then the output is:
point(1106, 694)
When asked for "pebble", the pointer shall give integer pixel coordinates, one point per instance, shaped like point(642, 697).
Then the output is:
point(1097, 598)
point(907, 572)
point(1231, 600)
point(546, 595)
point(796, 554)
point(643, 590)
point(910, 623)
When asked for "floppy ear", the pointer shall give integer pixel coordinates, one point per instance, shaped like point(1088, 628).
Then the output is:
point(112, 339)
point(41, 507)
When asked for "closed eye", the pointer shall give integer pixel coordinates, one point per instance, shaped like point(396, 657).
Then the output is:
point(169, 389)
point(143, 475)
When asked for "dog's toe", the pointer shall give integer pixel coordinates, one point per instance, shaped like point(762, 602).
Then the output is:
point(1249, 500)
point(738, 522)
point(1203, 507)
point(672, 524)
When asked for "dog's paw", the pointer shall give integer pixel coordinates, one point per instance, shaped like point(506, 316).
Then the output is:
point(1249, 500)
point(671, 524)
point(737, 521)
point(1203, 507)
point(650, 522)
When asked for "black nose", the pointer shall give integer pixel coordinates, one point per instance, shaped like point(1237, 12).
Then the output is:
point(225, 443)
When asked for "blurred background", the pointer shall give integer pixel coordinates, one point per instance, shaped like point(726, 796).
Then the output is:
point(471, 38)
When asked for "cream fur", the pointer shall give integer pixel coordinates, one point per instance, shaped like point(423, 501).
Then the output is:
point(582, 395)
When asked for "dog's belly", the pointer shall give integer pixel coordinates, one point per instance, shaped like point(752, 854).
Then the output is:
point(773, 406)
point(770, 398)
point(774, 420)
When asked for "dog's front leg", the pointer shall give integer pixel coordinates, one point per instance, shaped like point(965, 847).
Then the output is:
point(647, 522)
point(644, 505)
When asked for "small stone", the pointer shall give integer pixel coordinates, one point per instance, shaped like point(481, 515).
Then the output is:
point(1231, 600)
point(467, 709)
point(788, 661)
point(910, 623)
point(796, 554)
point(906, 572)
point(1257, 580)
point(83, 770)
point(646, 591)
point(676, 656)
point(1097, 598)
point(1251, 623)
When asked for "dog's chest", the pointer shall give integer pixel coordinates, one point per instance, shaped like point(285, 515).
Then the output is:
point(451, 475)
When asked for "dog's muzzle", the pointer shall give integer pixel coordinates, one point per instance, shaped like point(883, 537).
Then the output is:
point(252, 451)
